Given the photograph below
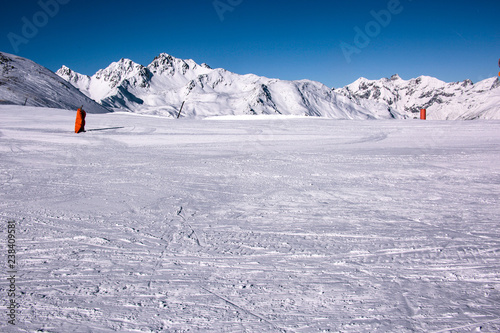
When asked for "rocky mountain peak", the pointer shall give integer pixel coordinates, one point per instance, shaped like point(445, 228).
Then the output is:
point(395, 77)
point(167, 82)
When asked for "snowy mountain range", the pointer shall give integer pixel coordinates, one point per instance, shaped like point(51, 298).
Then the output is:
point(161, 87)
point(458, 100)
point(24, 82)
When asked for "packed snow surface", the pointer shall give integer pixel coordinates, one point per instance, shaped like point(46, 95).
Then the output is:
point(147, 224)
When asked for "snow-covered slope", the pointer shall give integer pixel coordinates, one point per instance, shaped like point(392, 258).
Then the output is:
point(280, 224)
point(162, 86)
point(458, 100)
point(22, 81)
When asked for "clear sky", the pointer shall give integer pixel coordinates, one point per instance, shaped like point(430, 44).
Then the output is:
point(334, 42)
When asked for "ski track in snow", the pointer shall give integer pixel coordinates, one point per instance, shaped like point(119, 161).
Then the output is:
point(279, 225)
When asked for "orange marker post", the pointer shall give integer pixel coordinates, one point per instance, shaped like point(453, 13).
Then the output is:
point(423, 114)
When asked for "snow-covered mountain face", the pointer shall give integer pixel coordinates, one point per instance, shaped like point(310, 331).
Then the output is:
point(162, 87)
point(23, 82)
point(458, 100)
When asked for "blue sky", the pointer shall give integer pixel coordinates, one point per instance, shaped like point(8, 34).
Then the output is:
point(334, 42)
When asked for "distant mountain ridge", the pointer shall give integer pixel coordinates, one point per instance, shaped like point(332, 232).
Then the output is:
point(457, 100)
point(24, 82)
point(162, 86)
